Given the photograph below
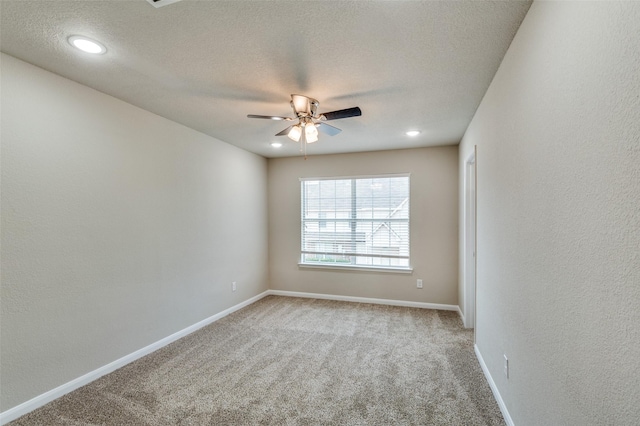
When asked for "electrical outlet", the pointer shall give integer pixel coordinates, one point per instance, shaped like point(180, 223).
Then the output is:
point(506, 366)
point(233, 286)
point(419, 283)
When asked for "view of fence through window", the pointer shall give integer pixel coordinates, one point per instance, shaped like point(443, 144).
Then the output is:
point(356, 221)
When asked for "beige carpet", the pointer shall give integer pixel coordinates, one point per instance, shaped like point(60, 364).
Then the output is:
point(291, 361)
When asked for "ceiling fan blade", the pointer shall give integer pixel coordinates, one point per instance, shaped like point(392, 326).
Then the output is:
point(269, 117)
point(285, 132)
point(327, 129)
point(342, 113)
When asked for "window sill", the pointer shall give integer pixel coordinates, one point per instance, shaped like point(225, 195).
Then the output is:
point(354, 268)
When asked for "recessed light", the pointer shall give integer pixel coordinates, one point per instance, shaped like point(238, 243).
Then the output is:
point(87, 45)
point(413, 133)
point(276, 144)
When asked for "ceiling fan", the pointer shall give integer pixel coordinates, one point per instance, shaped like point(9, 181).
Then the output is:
point(309, 121)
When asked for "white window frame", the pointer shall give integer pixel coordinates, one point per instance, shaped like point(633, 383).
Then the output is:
point(352, 266)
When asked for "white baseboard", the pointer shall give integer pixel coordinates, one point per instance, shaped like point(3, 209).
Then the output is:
point(40, 400)
point(365, 300)
point(494, 388)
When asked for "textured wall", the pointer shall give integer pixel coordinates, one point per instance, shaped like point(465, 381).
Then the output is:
point(119, 228)
point(558, 136)
point(434, 232)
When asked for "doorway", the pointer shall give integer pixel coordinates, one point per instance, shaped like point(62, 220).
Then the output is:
point(470, 241)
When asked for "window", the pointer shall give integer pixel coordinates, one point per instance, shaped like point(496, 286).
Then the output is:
point(356, 222)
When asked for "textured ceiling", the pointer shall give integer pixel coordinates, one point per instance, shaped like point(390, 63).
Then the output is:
point(207, 64)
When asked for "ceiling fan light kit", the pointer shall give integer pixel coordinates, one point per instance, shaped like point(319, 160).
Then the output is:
point(310, 133)
point(295, 133)
point(309, 121)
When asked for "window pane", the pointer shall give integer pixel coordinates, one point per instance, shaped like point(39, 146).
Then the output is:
point(365, 227)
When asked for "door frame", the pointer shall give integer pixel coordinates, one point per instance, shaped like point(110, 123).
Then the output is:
point(470, 246)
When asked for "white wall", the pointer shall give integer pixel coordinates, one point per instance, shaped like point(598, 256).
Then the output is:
point(434, 232)
point(119, 228)
point(558, 136)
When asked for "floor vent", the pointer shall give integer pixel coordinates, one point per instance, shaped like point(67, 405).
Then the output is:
point(160, 3)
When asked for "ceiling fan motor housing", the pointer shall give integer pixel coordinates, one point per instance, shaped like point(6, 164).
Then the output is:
point(304, 106)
